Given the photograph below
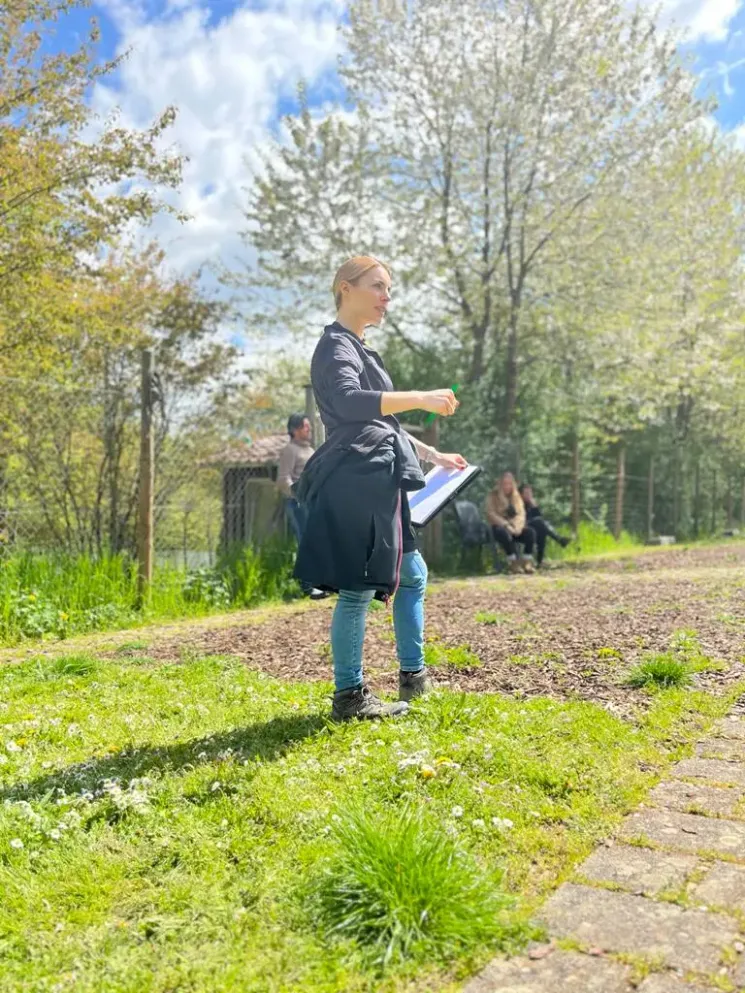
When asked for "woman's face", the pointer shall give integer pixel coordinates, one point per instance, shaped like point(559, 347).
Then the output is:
point(508, 485)
point(369, 298)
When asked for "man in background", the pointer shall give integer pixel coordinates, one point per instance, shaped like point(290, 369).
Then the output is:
point(292, 461)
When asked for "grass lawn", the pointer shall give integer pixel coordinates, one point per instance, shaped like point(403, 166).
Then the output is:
point(184, 826)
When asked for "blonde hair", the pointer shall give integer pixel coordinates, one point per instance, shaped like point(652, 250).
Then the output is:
point(352, 272)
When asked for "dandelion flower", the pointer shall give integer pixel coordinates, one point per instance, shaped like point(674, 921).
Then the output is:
point(16, 843)
point(457, 812)
point(502, 823)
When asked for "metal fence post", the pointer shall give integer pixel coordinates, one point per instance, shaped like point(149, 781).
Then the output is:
point(650, 499)
point(620, 487)
point(145, 515)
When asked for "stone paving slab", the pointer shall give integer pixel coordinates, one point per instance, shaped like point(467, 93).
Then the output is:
point(716, 770)
point(638, 869)
point(688, 832)
point(729, 749)
point(620, 922)
point(667, 983)
point(724, 886)
point(713, 800)
point(739, 976)
point(560, 972)
point(731, 727)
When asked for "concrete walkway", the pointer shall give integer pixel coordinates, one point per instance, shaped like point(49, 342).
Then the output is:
point(661, 909)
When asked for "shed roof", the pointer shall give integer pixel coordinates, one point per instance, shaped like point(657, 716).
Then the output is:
point(261, 452)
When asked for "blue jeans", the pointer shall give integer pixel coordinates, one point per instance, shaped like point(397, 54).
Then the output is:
point(297, 516)
point(350, 614)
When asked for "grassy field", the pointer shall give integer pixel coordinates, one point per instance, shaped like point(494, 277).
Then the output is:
point(173, 827)
point(184, 821)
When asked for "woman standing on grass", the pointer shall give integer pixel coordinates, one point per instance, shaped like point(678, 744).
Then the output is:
point(358, 540)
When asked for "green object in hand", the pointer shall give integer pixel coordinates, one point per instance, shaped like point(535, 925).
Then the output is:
point(430, 417)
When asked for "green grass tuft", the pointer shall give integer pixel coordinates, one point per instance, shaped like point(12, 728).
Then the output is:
point(609, 653)
point(402, 890)
point(484, 617)
point(660, 671)
point(457, 656)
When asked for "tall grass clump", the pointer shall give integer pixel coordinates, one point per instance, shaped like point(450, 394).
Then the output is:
point(594, 540)
point(59, 595)
point(661, 671)
point(259, 573)
point(402, 890)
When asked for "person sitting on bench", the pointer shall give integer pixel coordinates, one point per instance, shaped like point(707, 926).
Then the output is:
point(505, 512)
point(538, 523)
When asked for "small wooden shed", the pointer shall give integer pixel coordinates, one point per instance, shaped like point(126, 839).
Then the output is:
point(252, 506)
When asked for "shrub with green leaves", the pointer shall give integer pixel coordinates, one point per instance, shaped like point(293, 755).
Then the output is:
point(402, 889)
point(207, 587)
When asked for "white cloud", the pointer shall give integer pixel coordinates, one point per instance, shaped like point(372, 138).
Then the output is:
point(703, 20)
point(227, 79)
point(738, 136)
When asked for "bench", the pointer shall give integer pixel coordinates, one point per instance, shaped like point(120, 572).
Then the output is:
point(475, 534)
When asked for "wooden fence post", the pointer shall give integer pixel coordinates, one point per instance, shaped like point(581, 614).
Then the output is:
point(145, 515)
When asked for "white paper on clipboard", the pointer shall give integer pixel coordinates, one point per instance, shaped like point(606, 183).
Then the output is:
point(441, 486)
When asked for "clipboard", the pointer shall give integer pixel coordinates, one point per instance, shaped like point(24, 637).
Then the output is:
point(440, 487)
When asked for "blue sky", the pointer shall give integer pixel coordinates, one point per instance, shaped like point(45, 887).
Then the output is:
point(232, 67)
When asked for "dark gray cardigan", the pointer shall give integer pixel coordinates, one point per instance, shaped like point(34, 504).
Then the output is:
point(355, 484)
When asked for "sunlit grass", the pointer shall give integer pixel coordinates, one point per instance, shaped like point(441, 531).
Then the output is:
point(167, 827)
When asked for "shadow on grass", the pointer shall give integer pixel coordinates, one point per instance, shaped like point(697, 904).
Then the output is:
point(267, 741)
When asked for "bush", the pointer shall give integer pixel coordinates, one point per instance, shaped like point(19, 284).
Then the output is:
point(206, 587)
point(402, 890)
point(260, 573)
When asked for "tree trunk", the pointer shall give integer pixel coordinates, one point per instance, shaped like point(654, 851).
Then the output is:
point(742, 505)
point(111, 460)
point(676, 488)
point(433, 532)
point(576, 492)
point(730, 505)
point(620, 488)
point(510, 375)
point(5, 536)
point(697, 498)
point(650, 500)
point(147, 482)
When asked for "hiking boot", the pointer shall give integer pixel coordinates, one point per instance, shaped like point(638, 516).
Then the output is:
point(514, 566)
point(564, 541)
point(527, 566)
point(413, 684)
point(359, 703)
point(316, 594)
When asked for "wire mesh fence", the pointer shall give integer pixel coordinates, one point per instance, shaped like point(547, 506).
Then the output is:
point(71, 478)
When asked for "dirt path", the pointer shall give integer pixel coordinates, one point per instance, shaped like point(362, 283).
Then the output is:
point(570, 633)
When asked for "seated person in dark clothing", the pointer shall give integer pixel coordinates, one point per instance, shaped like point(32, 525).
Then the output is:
point(505, 512)
point(538, 523)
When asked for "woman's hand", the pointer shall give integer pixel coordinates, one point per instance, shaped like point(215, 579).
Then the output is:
point(442, 402)
point(451, 461)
